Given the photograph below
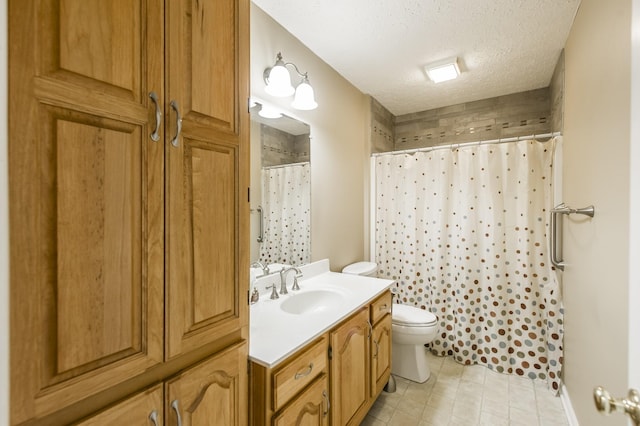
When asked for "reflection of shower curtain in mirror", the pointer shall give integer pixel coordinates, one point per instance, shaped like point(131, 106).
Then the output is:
point(286, 203)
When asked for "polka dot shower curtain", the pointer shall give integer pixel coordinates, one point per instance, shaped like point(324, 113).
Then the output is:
point(286, 204)
point(463, 232)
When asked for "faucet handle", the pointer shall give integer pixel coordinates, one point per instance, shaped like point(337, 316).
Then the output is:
point(296, 286)
point(274, 292)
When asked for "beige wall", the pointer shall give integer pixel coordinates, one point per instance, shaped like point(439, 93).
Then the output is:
point(596, 171)
point(339, 142)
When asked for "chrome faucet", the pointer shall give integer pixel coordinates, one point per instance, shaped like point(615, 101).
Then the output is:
point(265, 268)
point(283, 279)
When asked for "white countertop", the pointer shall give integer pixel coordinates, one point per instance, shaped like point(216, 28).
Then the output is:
point(276, 334)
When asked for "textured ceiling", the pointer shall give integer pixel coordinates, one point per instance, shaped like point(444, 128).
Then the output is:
point(381, 46)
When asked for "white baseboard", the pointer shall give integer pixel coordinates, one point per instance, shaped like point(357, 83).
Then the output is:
point(568, 408)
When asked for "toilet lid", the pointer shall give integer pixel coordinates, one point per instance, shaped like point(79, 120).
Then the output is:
point(360, 268)
point(412, 316)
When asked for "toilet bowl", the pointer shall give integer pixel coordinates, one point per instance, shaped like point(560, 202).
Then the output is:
point(411, 329)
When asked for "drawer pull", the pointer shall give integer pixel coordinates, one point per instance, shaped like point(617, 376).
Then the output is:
point(155, 136)
point(174, 106)
point(174, 406)
point(326, 398)
point(383, 307)
point(154, 417)
point(304, 373)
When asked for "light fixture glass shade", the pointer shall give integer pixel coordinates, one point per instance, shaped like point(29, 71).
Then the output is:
point(279, 83)
point(269, 112)
point(304, 99)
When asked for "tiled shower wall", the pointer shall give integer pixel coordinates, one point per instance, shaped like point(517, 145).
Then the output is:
point(280, 148)
point(519, 114)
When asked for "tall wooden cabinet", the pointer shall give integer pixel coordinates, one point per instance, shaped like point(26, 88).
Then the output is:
point(128, 177)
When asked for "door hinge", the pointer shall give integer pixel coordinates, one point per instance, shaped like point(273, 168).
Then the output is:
point(330, 353)
point(248, 367)
point(248, 195)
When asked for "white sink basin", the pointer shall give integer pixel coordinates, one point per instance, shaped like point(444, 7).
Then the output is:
point(312, 302)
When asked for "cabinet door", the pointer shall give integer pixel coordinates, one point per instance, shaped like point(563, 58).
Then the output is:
point(207, 206)
point(310, 408)
point(380, 355)
point(86, 198)
point(350, 369)
point(212, 392)
point(143, 409)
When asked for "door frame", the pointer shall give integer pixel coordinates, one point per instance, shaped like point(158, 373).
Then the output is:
point(634, 203)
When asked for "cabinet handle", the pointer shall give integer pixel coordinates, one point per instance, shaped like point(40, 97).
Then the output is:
point(175, 407)
point(305, 373)
point(154, 417)
point(326, 399)
point(370, 329)
point(174, 106)
point(375, 355)
point(155, 136)
point(383, 307)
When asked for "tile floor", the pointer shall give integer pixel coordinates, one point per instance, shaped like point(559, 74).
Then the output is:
point(464, 396)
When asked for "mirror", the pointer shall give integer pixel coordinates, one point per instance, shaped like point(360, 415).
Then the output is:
point(280, 190)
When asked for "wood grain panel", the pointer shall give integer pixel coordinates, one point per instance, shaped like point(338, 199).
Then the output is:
point(213, 97)
point(206, 51)
point(98, 232)
point(212, 392)
point(350, 369)
point(309, 408)
point(203, 205)
point(86, 199)
point(212, 191)
point(107, 50)
point(380, 355)
point(133, 411)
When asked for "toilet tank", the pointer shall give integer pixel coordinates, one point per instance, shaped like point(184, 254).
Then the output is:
point(368, 269)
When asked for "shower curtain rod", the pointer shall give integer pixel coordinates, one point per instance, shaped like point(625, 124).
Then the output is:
point(302, 163)
point(464, 144)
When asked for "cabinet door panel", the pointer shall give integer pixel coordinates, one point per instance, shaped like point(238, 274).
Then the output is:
point(310, 408)
point(86, 199)
point(133, 411)
point(380, 355)
point(350, 369)
point(203, 244)
point(97, 221)
point(204, 54)
point(213, 392)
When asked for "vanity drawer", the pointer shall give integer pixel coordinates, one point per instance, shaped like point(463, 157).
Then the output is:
point(294, 376)
point(381, 307)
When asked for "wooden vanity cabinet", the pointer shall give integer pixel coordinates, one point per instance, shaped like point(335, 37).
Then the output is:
point(272, 390)
point(334, 379)
point(360, 361)
point(128, 178)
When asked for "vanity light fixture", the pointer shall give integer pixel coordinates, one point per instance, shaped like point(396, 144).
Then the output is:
point(278, 82)
point(267, 111)
point(443, 70)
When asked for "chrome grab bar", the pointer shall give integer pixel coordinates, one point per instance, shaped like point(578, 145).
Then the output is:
point(555, 226)
point(261, 234)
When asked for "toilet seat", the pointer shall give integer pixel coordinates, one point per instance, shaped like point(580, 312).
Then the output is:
point(410, 316)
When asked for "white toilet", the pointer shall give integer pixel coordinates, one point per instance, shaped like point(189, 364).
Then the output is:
point(411, 329)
